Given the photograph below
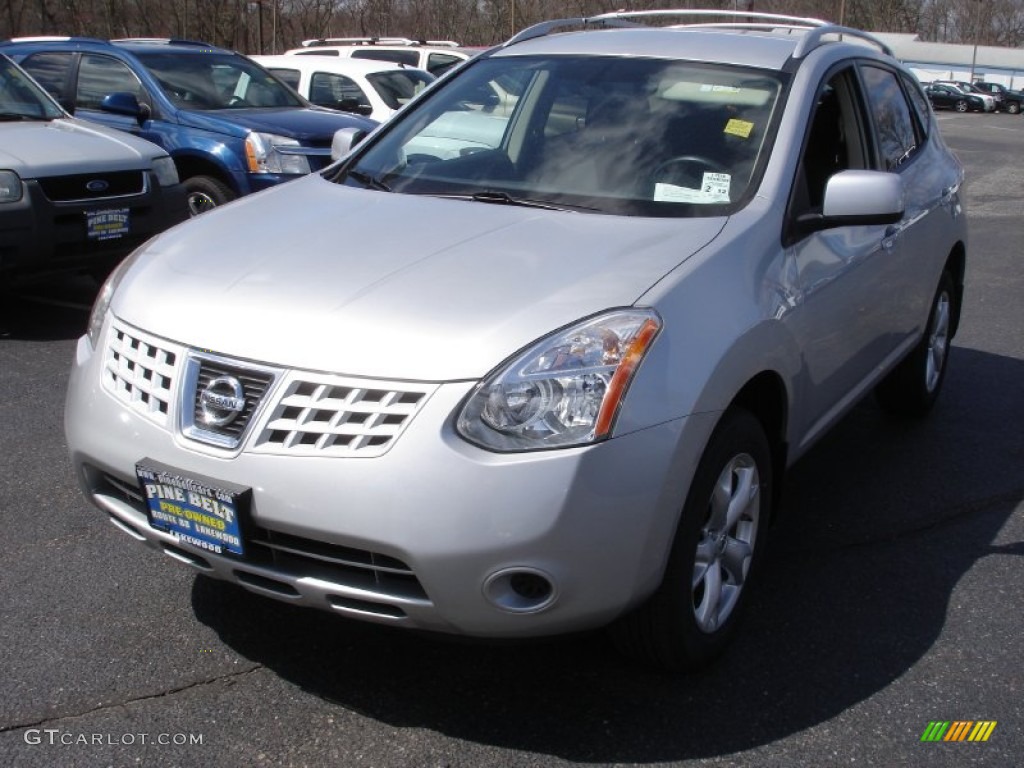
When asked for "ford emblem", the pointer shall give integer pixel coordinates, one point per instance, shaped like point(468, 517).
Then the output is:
point(221, 401)
point(97, 185)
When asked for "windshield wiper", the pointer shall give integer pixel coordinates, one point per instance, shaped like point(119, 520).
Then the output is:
point(495, 197)
point(369, 181)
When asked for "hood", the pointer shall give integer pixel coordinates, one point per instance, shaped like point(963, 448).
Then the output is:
point(64, 146)
point(319, 276)
point(305, 125)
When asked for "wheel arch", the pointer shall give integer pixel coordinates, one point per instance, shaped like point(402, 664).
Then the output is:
point(765, 397)
point(192, 165)
point(956, 265)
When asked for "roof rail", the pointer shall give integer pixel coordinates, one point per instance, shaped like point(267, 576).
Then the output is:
point(163, 41)
point(378, 41)
point(814, 30)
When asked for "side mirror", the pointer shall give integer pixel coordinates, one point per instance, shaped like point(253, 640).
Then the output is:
point(124, 103)
point(857, 198)
point(344, 140)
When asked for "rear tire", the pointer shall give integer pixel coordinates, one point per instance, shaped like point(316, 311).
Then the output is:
point(204, 193)
point(911, 388)
point(693, 615)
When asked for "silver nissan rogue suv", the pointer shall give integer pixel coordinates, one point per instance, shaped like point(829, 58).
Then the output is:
point(522, 370)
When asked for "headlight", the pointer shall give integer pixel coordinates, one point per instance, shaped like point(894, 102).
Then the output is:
point(165, 172)
point(268, 153)
point(564, 390)
point(10, 187)
point(106, 295)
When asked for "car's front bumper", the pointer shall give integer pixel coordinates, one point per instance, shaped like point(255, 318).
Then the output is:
point(434, 533)
point(39, 236)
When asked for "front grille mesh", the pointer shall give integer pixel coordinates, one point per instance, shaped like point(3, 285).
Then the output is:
point(310, 414)
point(331, 416)
point(355, 568)
point(140, 372)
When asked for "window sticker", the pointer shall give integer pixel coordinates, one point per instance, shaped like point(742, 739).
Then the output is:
point(741, 128)
point(713, 189)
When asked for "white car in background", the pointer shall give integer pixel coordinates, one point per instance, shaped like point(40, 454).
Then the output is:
point(435, 56)
point(375, 89)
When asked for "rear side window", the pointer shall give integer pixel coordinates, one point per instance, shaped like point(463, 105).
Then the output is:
point(921, 106)
point(99, 76)
point(894, 125)
point(53, 72)
point(438, 63)
point(412, 58)
point(289, 77)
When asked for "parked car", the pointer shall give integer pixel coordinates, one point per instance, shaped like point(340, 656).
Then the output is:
point(1008, 100)
point(74, 196)
point(435, 56)
point(549, 384)
point(231, 127)
point(375, 89)
point(944, 96)
point(990, 101)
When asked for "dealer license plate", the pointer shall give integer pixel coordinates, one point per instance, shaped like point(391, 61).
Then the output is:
point(108, 224)
point(205, 513)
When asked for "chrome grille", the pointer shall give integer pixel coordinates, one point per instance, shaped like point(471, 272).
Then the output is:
point(334, 416)
point(254, 386)
point(140, 372)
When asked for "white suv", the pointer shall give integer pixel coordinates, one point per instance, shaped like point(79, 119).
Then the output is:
point(435, 56)
point(374, 89)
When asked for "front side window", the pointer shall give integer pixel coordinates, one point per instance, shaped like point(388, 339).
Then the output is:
point(894, 125)
point(328, 89)
point(614, 135)
point(217, 81)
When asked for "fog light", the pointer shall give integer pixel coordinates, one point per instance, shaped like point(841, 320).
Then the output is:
point(520, 590)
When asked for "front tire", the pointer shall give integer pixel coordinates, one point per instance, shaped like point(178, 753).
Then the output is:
point(961, 106)
point(693, 615)
point(204, 193)
point(1013, 107)
point(911, 388)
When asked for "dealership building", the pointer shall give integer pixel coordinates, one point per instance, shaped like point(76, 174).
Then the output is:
point(946, 61)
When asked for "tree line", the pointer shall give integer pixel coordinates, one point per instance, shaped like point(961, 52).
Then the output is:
point(271, 26)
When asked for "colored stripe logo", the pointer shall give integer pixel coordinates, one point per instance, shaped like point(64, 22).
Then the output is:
point(958, 730)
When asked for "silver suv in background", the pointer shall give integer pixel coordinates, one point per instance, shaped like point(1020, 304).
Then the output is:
point(517, 372)
point(74, 195)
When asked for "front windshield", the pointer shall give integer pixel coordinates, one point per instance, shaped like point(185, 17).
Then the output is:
point(611, 134)
point(21, 98)
point(217, 81)
point(397, 86)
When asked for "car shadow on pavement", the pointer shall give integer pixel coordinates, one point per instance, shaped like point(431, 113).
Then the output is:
point(880, 523)
point(51, 310)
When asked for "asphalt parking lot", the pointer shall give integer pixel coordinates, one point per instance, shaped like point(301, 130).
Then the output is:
point(894, 597)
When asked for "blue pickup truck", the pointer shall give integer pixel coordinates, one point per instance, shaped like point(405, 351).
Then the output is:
point(231, 127)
